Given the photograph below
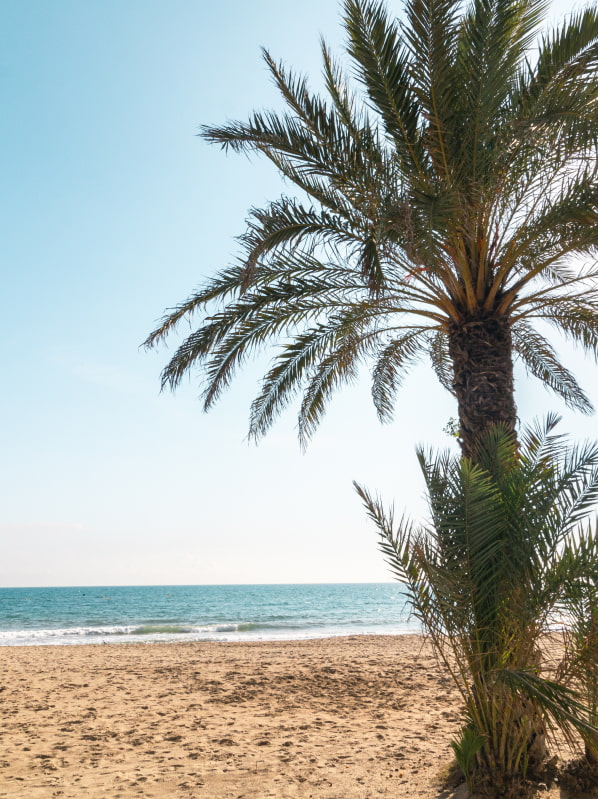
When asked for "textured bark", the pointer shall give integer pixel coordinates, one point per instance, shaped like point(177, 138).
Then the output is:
point(482, 356)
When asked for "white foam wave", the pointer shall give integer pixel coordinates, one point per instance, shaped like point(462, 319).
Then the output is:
point(120, 633)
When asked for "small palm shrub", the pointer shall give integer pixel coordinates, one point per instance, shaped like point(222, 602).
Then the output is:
point(486, 576)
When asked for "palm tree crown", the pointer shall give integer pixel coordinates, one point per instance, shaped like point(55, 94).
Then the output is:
point(438, 213)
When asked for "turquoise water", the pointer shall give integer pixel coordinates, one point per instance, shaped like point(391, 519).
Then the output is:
point(209, 613)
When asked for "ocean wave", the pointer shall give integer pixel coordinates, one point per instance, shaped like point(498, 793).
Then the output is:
point(152, 631)
point(76, 632)
point(166, 629)
point(161, 629)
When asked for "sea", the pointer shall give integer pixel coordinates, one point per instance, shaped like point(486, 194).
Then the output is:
point(151, 614)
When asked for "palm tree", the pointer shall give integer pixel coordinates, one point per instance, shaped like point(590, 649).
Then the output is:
point(488, 576)
point(439, 214)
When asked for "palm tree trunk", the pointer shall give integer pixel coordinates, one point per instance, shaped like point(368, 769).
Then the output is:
point(482, 356)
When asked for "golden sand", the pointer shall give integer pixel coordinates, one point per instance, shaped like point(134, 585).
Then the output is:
point(339, 718)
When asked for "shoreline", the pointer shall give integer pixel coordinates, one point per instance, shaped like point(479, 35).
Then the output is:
point(133, 639)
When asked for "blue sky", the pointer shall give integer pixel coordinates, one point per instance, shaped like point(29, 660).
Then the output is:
point(112, 211)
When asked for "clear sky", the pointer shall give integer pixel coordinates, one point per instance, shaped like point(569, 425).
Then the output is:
point(113, 210)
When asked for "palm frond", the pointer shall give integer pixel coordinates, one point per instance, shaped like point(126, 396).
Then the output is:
point(441, 361)
point(431, 31)
point(541, 361)
point(577, 319)
point(558, 701)
point(392, 361)
point(336, 368)
point(382, 66)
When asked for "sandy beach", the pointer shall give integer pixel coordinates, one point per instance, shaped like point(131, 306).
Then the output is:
point(337, 718)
